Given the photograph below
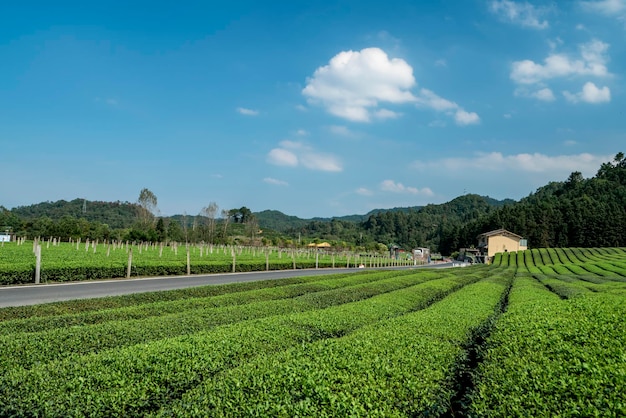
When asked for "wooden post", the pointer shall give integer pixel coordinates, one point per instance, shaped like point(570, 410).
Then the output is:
point(188, 263)
point(267, 261)
point(130, 262)
point(38, 264)
point(317, 258)
point(293, 258)
point(234, 261)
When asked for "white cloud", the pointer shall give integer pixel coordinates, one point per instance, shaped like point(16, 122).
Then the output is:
point(364, 192)
point(302, 132)
point(386, 114)
point(545, 94)
point(276, 182)
point(592, 61)
point(353, 83)
point(321, 162)
point(247, 112)
point(427, 98)
point(507, 116)
point(281, 156)
point(522, 14)
point(294, 154)
point(590, 94)
point(569, 143)
point(392, 186)
point(441, 63)
point(466, 118)
point(605, 7)
point(530, 163)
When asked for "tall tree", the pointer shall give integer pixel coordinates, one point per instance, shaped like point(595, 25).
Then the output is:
point(209, 213)
point(225, 218)
point(147, 202)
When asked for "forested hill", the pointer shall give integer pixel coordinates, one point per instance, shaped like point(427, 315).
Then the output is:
point(406, 227)
point(114, 214)
point(578, 212)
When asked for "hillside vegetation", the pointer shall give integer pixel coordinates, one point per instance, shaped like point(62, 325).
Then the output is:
point(576, 212)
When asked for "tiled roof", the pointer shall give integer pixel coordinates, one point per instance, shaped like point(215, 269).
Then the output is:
point(500, 232)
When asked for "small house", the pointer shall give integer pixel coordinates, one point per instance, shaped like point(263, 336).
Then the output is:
point(500, 241)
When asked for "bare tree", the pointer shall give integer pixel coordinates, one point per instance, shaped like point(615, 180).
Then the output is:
point(226, 218)
point(209, 213)
point(185, 227)
point(147, 202)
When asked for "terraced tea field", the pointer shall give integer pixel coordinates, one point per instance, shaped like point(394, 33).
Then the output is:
point(538, 333)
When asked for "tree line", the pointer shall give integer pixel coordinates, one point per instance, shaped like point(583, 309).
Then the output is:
point(577, 212)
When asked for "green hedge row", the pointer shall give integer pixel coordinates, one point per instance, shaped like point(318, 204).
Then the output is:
point(397, 367)
point(26, 349)
point(552, 357)
point(179, 301)
point(134, 380)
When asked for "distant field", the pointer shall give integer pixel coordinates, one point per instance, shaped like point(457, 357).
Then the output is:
point(538, 333)
point(88, 261)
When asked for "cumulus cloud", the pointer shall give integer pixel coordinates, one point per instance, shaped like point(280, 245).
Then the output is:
point(592, 61)
point(392, 186)
point(247, 112)
point(590, 94)
point(461, 117)
point(356, 84)
point(530, 163)
point(295, 154)
point(364, 191)
point(353, 83)
point(522, 14)
point(302, 132)
point(276, 182)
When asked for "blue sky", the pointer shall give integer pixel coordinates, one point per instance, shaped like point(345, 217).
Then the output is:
point(317, 109)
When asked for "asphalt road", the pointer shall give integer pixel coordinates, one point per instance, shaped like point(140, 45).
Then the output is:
point(45, 293)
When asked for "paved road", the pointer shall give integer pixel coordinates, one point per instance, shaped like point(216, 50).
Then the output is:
point(45, 293)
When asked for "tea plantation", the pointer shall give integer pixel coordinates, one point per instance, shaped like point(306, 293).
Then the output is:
point(537, 333)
